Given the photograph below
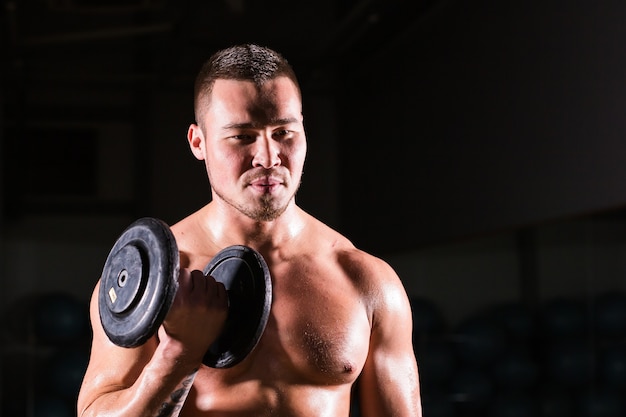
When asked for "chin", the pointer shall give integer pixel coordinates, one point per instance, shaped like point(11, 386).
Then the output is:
point(267, 214)
point(267, 211)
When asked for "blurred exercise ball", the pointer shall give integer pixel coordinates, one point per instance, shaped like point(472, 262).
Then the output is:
point(601, 403)
point(60, 318)
point(516, 319)
point(64, 372)
point(479, 341)
point(18, 317)
point(51, 406)
point(564, 318)
point(514, 404)
point(612, 365)
point(471, 388)
point(427, 318)
point(515, 369)
point(555, 402)
point(609, 314)
point(570, 363)
point(437, 404)
point(437, 362)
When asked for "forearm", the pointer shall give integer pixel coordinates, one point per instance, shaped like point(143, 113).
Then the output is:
point(143, 399)
point(159, 390)
point(174, 403)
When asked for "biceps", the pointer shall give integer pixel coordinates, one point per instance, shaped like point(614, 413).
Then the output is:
point(389, 384)
point(111, 368)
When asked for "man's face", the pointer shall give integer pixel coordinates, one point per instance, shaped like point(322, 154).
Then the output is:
point(253, 144)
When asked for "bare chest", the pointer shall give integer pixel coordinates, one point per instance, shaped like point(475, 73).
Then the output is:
point(315, 344)
point(318, 330)
point(319, 327)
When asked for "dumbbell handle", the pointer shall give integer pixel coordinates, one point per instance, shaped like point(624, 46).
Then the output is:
point(139, 283)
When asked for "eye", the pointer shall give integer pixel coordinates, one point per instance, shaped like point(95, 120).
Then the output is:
point(245, 137)
point(282, 134)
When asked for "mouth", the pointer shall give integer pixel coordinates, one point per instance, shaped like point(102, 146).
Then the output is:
point(266, 184)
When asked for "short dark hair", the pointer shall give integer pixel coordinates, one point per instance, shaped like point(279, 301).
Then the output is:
point(248, 62)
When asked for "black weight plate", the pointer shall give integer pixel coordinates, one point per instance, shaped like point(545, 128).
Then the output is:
point(245, 275)
point(139, 281)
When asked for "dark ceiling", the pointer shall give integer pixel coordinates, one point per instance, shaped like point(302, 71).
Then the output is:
point(510, 112)
point(116, 42)
point(73, 63)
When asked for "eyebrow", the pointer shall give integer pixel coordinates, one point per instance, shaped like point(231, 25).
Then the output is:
point(253, 125)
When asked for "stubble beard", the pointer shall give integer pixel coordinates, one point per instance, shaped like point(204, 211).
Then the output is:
point(263, 210)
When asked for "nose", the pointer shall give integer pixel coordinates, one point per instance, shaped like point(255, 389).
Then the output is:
point(266, 153)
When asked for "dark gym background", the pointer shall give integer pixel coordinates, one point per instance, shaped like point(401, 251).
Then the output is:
point(476, 146)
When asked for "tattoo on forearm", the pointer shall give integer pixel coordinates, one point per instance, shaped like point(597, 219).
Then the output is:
point(177, 398)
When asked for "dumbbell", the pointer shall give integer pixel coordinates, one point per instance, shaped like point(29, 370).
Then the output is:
point(140, 279)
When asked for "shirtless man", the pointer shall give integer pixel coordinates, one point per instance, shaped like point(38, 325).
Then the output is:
point(338, 313)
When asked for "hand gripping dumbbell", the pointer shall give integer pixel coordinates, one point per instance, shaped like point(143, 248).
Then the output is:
point(140, 279)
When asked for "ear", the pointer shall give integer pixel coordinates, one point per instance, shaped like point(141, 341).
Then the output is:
point(195, 137)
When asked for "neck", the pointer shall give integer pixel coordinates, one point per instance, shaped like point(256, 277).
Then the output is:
point(228, 226)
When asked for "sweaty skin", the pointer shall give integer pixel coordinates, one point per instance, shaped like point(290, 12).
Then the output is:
point(338, 313)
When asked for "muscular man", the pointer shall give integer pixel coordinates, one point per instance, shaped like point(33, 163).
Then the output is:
point(338, 313)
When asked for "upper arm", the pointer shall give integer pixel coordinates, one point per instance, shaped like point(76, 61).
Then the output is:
point(389, 383)
point(111, 368)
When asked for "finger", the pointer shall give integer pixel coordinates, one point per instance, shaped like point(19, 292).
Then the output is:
point(221, 290)
point(221, 293)
point(184, 279)
point(198, 281)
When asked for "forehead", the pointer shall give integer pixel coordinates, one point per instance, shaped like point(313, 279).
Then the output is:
point(276, 98)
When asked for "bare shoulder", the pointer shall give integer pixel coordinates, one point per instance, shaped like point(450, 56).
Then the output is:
point(382, 293)
point(191, 237)
point(185, 228)
point(375, 277)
